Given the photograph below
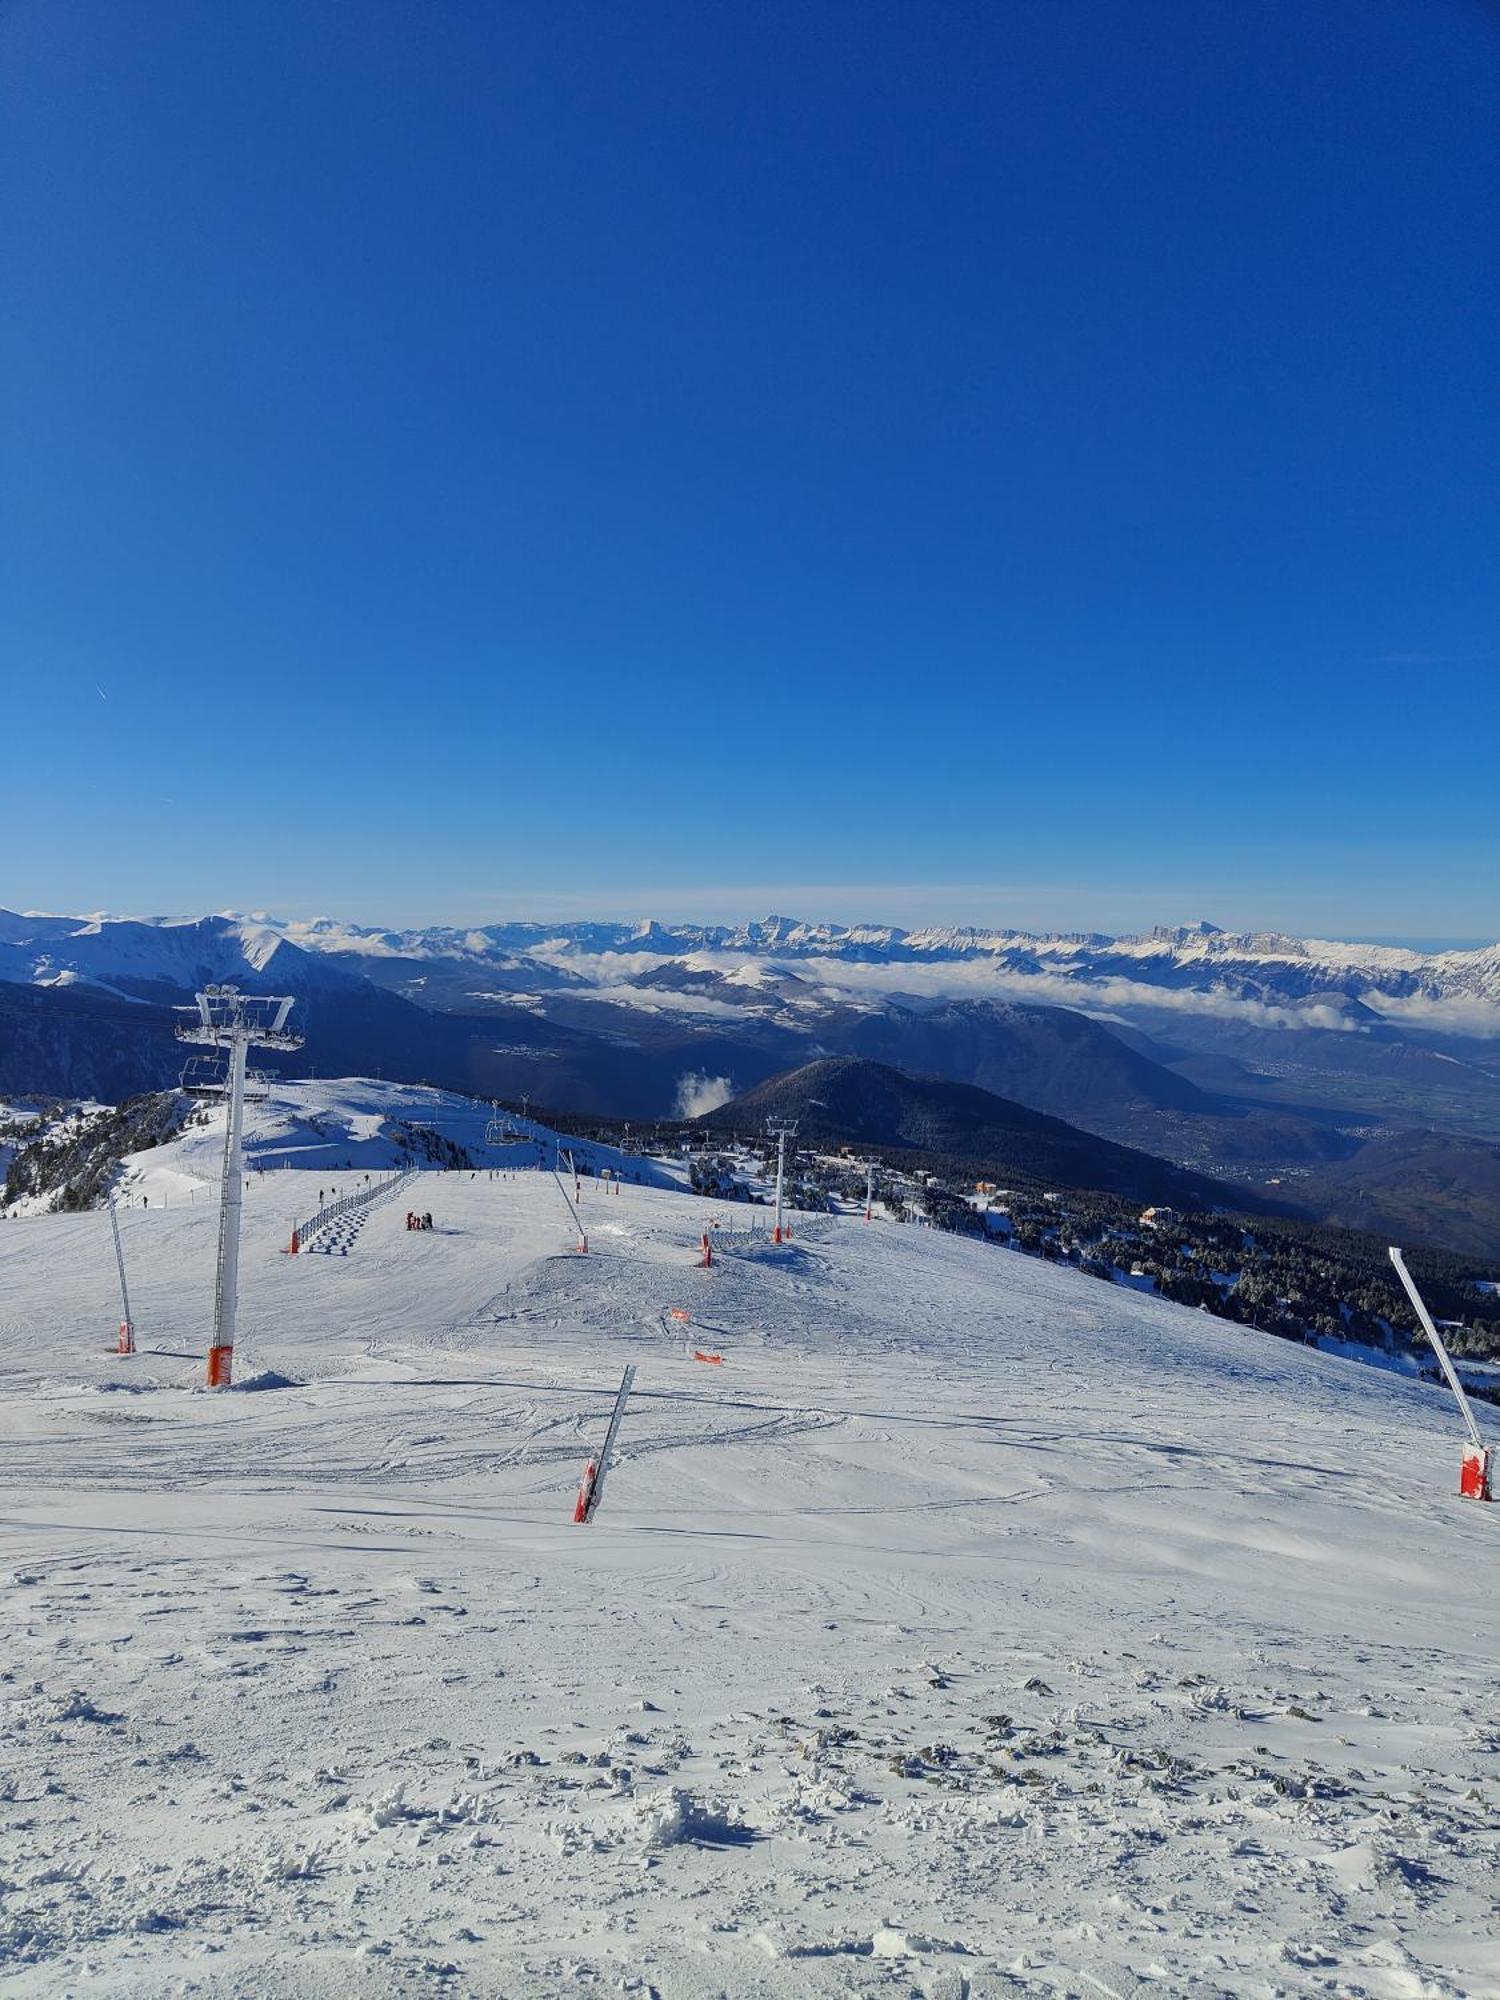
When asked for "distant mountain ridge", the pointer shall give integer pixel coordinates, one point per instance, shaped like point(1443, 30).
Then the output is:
point(852, 1101)
point(1256, 1056)
point(1293, 965)
point(1268, 965)
point(1417, 1187)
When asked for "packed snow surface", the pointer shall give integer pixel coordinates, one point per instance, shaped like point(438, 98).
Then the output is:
point(973, 1628)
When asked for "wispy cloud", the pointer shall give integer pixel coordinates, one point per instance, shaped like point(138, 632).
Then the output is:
point(968, 979)
point(1459, 1015)
point(697, 1093)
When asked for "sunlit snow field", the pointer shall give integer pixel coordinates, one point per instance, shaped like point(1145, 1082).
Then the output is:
point(974, 1629)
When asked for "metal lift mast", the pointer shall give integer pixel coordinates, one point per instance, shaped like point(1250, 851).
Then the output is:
point(233, 1023)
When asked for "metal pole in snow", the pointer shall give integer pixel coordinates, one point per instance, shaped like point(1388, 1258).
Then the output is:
point(229, 1020)
point(127, 1325)
point(591, 1491)
point(583, 1241)
point(780, 1129)
point(227, 1284)
point(1438, 1348)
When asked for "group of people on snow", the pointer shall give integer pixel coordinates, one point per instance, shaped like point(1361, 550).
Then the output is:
point(415, 1221)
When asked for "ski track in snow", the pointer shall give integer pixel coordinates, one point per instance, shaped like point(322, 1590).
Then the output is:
point(976, 1629)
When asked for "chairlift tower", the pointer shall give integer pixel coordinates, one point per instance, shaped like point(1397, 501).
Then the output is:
point(501, 1129)
point(231, 1023)
point(780, 1129)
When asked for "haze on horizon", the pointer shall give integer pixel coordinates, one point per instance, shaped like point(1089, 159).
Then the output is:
point(989, 465)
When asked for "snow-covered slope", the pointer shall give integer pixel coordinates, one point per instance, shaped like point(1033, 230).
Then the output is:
point(970, 1629)
point(337, 1132)
point(156, 958)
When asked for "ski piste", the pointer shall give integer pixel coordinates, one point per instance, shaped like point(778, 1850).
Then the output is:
point(591, 1490)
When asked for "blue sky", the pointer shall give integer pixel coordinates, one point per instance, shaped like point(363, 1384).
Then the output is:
point(1027, 461)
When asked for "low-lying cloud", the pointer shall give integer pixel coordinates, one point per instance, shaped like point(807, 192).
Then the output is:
point(1104, 996)
point(1459, 1015)
point(965, 979)
point(663, 1000)
point(698, 1092)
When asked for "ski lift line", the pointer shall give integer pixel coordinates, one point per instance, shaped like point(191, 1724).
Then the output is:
point(809, 1227)
point(365, 1198)
point(1438, 1348)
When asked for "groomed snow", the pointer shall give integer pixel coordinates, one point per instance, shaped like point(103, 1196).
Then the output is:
point(974, 1629)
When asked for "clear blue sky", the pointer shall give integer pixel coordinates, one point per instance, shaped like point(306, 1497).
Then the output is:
point(1029, 460)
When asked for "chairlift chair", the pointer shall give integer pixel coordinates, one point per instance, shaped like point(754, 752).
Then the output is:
point(205, 1076)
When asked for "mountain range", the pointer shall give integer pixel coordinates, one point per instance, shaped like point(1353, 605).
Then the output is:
point(1268, 1059)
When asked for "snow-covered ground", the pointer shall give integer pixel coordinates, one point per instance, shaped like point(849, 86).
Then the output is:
point(974, 1629)
point(339, 1132)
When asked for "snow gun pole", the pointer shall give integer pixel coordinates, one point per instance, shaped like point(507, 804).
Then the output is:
point(869, 1187)
point(591, 1490)
point(1474, 1480)
point(583, 1241)
point(127, 1325)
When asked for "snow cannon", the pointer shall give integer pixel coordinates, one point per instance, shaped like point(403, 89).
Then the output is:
point(1474, 1473)
point(591, 1488)
point(1474, 1469)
